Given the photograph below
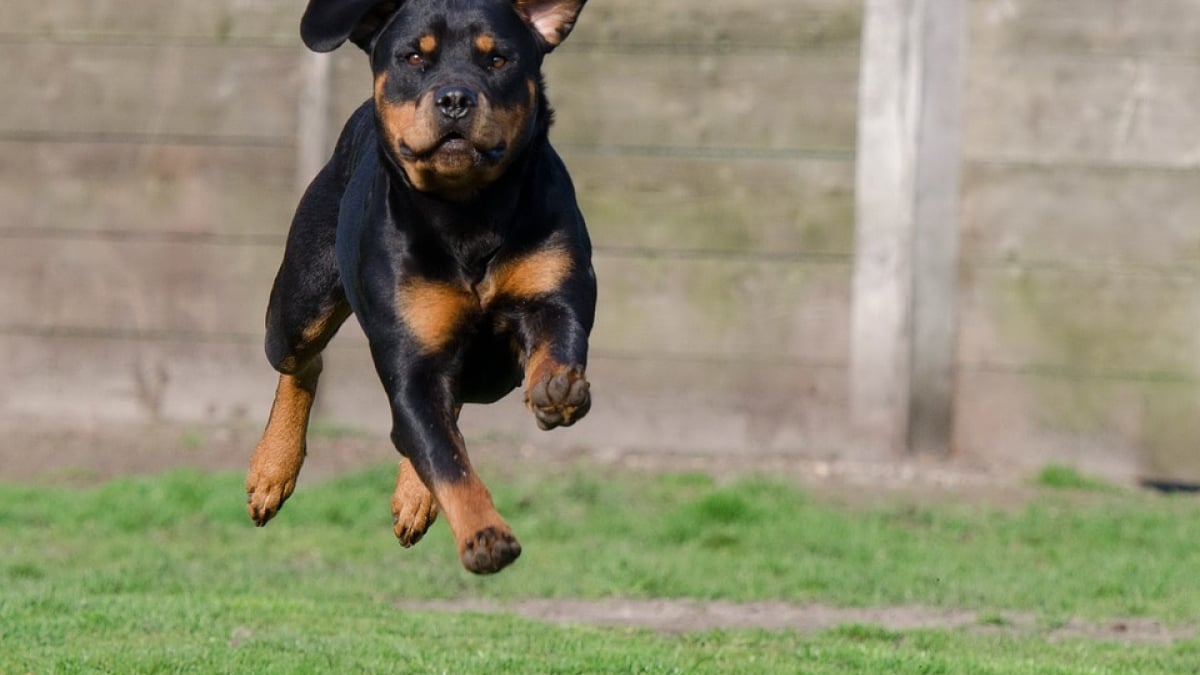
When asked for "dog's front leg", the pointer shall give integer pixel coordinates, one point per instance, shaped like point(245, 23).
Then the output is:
point(425, 431)
point(553, 335)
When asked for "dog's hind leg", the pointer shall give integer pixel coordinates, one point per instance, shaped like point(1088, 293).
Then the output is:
point(276, 462)
point(307, 306)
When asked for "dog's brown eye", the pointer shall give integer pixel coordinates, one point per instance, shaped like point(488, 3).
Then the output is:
point(415, 59)
point(498, 62)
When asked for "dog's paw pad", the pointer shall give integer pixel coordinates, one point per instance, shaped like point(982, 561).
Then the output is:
point(560, 397)
point(489, 550)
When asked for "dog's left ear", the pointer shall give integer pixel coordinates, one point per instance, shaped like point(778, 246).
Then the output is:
point(551, 19)
point(326, 24)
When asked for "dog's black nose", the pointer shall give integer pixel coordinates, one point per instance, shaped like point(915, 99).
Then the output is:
point(455, 102)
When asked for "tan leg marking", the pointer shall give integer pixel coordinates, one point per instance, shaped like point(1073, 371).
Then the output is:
point(485, 542)
point(279, 455)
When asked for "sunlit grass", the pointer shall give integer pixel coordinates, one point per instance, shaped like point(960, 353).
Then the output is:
point(147, 573)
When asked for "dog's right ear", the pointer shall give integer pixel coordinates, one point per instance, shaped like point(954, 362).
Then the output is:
point(326, 24)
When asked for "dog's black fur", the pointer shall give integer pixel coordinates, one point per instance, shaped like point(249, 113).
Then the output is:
point(448, 225)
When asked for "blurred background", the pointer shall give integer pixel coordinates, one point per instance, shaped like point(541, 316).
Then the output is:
point(1024, 286)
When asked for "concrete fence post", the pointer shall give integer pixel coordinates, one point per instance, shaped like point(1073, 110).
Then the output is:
point(314, 140)
point(314, 134)
point(904, 292)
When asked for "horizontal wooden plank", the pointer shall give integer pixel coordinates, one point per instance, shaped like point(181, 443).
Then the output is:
point(796, 24)
point(732, 308)
point(694, 407)
point(86, 381)
point(691, 307)
point(659, 203)
point(768, 101)
point(1129, 27)
point(1092, 322)
point(736, 205)
point(672, 202)
point(1123, 217)
point(1116, 428)
point(1053, 108)
point(218, 20)
point(687, 406)
point(664, 100)
point(139, 89)
point(153, 189)
point(741, 100)
point(195, 288)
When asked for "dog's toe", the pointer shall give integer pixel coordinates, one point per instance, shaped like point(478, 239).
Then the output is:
point(264, 498)
point(411, 520)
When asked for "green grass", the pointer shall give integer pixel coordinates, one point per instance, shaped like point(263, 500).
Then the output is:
point(1067, 478)
point(165, 574)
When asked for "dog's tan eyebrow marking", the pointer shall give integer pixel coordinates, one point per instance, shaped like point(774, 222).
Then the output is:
point(427, 43)
point(485, 43)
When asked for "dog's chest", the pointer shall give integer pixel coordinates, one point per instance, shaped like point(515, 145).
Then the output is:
point(435, 311)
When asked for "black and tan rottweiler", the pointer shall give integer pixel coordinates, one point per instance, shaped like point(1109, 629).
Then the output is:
point(448, 225)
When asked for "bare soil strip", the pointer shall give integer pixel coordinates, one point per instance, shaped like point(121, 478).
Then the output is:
point(685, 616)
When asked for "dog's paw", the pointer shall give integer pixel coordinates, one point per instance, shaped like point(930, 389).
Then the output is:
point(489, 550)
point(267, 487)
point(413, 507)
point(560, 397)
point(412, 520)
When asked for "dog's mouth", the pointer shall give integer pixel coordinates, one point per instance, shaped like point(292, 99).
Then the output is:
point(455, 142)
point(454, 146)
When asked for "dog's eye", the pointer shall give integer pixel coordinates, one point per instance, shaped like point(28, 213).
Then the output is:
point(497, 62)
point(415, 59)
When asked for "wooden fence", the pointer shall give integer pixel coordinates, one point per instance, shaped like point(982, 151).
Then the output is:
point(148, 167)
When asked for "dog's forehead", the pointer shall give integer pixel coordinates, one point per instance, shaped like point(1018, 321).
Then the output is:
point(461, 18)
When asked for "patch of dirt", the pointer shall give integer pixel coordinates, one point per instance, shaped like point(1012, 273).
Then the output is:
point(685, 616)
point(39, 452)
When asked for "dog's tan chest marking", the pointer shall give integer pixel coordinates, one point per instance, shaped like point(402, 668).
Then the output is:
point(434, 311)
point(530, 276)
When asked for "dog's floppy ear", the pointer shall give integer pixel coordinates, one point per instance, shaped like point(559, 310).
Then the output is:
point(326, 24)
point(551, 19)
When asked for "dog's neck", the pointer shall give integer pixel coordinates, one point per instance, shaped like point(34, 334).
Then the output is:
point(472, 229)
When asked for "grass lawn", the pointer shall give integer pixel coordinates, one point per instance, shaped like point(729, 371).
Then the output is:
point(165, 573)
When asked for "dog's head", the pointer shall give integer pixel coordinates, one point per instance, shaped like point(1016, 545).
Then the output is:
point(458, 85)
